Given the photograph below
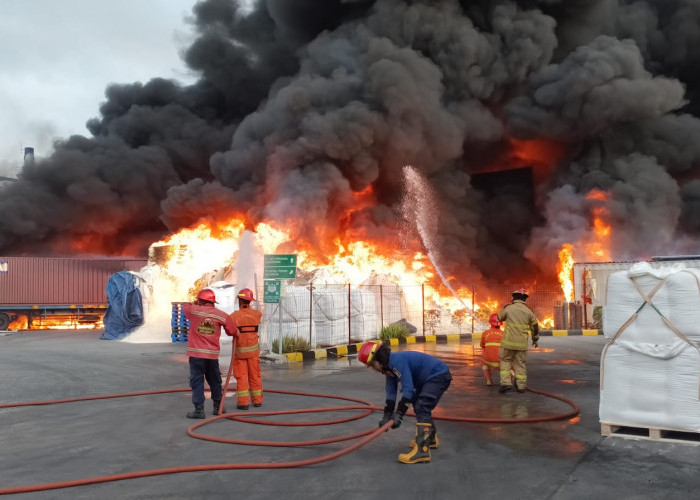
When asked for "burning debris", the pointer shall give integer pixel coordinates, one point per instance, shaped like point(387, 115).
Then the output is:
point(307, 112)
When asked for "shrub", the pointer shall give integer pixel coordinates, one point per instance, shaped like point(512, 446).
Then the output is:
point(394, 331)
point(598, 317)
point(291, 344)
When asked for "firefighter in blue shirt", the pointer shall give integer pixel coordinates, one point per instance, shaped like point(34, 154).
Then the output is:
point(423, 380)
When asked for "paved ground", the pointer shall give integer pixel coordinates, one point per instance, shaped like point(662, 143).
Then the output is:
point(545, 460)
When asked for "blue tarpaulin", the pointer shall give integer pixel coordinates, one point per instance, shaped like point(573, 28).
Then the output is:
point(125, 310)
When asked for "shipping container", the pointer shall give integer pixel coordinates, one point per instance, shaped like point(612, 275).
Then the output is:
point(33, 289)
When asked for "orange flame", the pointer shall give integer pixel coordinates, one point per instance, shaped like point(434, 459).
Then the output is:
point(355, 262)
point(538, 151)
point(542, 154)
point(598, 250)
point(547, 323)
point(56, 322)
point(565, 268)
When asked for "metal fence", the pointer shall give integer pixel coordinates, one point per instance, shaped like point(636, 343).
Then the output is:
point(326, 315)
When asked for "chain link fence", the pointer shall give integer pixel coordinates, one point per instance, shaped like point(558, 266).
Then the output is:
point(327, 315)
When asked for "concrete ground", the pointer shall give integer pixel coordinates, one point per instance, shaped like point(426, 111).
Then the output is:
point(564, 459)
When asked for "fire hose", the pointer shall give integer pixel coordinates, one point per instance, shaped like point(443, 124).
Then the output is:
point(363, 437)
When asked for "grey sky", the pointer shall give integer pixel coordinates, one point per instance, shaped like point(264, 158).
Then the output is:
point(59, 56)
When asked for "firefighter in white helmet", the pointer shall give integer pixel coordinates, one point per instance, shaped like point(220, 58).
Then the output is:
point(520, 323)
point(423, 380)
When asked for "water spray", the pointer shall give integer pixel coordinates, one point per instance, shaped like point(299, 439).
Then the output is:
point(419, 206)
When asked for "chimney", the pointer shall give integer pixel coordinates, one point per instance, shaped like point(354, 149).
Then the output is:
point(28, 159)
point(28, 156)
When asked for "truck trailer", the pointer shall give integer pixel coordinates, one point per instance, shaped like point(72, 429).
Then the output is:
point(37, 291)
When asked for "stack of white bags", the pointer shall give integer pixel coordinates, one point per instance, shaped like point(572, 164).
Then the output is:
point(650, 367)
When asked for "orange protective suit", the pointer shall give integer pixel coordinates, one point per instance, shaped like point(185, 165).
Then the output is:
point(246, 366)
point(490, 343)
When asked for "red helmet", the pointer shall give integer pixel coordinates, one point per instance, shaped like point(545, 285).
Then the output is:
point(207, 295)
point(493, 320)
point(367, 351)
point(246, 294)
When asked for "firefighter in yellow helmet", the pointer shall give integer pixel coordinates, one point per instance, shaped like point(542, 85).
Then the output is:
point(520, 323)
point(423, 380)
point(246, 366)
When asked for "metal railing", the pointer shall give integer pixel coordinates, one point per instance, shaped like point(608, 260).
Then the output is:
point(327, 315)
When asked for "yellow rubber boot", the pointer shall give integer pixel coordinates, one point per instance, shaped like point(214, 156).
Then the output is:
point(420, 452)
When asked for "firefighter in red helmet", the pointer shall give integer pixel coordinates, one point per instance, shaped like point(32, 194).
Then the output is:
point(490, 345)
point(246, 366)
point(423, 379)
point(203, 348)
point(521, 322)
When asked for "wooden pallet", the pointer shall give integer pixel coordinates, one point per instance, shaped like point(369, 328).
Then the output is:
point(650, 434)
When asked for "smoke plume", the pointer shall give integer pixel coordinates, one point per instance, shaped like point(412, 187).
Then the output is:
point(302, 104)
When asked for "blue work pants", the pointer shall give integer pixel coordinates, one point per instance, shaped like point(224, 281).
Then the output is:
point(200, 369)
point(428, 396)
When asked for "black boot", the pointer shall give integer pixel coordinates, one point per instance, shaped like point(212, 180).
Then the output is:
point(217, 405)
point(197, 413)
point(505, 389)
point(434, 442)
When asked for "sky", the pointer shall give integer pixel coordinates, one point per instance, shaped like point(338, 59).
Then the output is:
point(58, 58)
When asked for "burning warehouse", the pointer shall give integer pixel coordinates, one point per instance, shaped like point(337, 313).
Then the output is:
point(526, 136)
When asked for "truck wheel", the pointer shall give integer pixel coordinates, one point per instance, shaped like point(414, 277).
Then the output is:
point(4, 321)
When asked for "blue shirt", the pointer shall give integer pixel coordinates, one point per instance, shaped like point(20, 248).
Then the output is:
point(412, 369)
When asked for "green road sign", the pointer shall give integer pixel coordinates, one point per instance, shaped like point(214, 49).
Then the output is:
point(271, 294)
point(280, 266)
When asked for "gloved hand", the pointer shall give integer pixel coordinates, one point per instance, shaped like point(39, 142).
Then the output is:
point(401, 410)
point(388, 412)
point(535, 341)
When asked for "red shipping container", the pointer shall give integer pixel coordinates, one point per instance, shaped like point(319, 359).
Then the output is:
point(60, 280)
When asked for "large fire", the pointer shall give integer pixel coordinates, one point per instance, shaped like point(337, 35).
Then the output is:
point(351, 259)
point(202, 250)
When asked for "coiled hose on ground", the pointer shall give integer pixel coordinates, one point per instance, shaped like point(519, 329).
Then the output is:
point(365, 408)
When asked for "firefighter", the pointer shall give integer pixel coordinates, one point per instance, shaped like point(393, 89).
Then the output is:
point(491, 344)
point(520, 323)
point(203, 348)
point(423, 380)
point(246, 366)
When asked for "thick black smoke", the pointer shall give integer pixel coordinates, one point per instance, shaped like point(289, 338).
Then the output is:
point(301, 104)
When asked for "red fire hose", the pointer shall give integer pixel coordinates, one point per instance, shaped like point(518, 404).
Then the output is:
point(362, 437)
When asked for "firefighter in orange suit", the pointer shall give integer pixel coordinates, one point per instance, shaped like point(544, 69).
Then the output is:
point(520, 322)
point(491, 344)
point(203, 348)
point(246, 366)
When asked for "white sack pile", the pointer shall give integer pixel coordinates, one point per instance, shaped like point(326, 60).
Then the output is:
point(330, 316)
point(650, 368)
